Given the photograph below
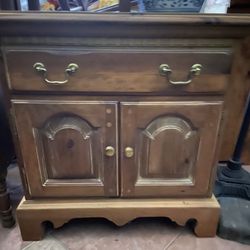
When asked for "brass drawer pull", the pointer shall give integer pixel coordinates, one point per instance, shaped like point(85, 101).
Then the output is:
point(109, 151)
point(129, 152)
point(40, 68)
point(195, 70)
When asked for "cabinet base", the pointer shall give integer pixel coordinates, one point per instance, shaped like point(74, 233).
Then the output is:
point(32, 213)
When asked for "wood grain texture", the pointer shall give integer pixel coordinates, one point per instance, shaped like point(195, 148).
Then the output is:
point(113, 42)
point(68, 143)
point(119, 70)
point(170, 160)
point(156, 155)
point(216, 29)
point(204, 211)
point(118, 99)
point(6, 104)
point(235, 100)
point(60, 160)
point(124, 25)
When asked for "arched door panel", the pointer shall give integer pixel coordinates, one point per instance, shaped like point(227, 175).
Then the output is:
point(63, 146)
point(173, 146)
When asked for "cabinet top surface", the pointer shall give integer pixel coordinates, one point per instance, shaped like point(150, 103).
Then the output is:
point(123, 25)
point(168, 18)
point(208, 19)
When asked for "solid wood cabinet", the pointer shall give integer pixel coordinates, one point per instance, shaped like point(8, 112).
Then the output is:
point(120, 116)
point(163, 147)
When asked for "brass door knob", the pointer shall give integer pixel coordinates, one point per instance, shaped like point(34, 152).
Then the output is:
point(129, 152)
point(109, 151)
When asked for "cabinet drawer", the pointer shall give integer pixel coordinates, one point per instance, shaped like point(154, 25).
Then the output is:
point(118, 70)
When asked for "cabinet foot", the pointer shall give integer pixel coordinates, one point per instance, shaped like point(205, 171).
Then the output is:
point(206, 225)
point(31, 229)
point(32, 213)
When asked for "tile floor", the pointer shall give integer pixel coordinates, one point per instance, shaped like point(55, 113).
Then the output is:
point(95, 234)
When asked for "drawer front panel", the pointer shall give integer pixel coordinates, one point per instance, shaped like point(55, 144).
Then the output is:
point(118, 70)
point(67, 147)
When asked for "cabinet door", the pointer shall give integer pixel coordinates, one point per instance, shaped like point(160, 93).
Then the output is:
point(168, 148)
point(69, 148)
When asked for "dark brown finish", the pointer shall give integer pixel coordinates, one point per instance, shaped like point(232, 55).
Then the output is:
point(117, 70)
point(66, 152)
point(235, 101)
point(151, 26)
point(151, 139)
point(171, 153)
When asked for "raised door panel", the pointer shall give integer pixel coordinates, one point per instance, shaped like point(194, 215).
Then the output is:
point(69, 148)
point(63, 146)
point(173, 147)
point(164, 139)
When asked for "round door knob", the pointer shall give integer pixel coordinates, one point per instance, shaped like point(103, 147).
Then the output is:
point(109, 151)
point(129, 152)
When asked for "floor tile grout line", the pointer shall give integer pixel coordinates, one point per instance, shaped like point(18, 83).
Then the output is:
point(50, 237)
point(50, 234)
point(29, 245)
point(173, 240)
